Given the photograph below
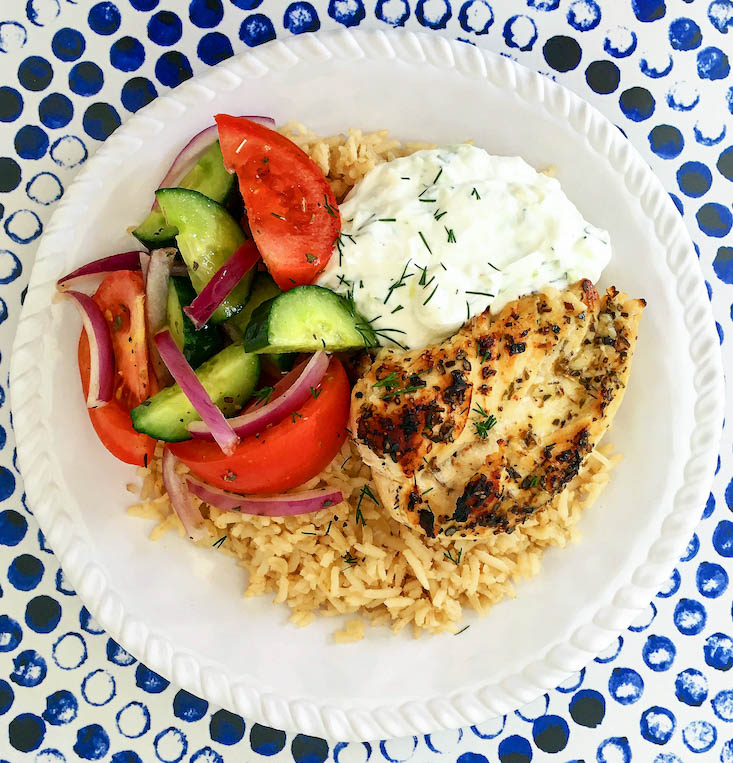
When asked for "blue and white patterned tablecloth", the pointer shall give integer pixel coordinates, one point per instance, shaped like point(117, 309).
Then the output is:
point(70, 72)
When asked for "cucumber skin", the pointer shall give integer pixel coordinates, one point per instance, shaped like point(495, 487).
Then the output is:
point(263, 288)
point(154, 233)
point(171, 426)
point(197, 346)
point(257, 336)
point(206, 253)
point(207, 176)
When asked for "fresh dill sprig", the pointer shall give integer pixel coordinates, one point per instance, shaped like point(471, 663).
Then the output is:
point(481, 293)
point(338, 242)
point(279, 217)
point(263, 395)
point(218, 543)
point(402, 391)
point(366, 332)
point(428, 201)
point(495, 268)
point(451, 235)
point(431, 294)
point(389, 381)
point(331, 211)
point(315, 392)
point(350, 299)
point(366, 491)
point(387, 220)
point(360, 518)
point(486, 422)
point(399, 282)
point(397, 309)
point(427, 246)
point(383, 334)
point(475, 194)
point(439, 214)
point(440, 172)
point(456, 560)
point(349, 559)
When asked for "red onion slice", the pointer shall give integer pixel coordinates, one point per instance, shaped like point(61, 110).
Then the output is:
point(190, 516)
point(101, 355)
point(144, 264)
point(295, 389)
point(221, 283)
point(192, 388)
point(285, 505)
point(122, 261)
point(156, 298)
point(177, 268)
point(193, 151)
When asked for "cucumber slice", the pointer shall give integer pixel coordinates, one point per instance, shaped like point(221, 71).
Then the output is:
point(307, 319)
point(207, 237)
point(229, 377)
point(263, 288)
point(154, 233)
point(197, 346)
point(207, 176)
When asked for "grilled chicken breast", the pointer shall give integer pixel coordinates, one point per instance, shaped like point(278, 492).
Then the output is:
point(473, 435)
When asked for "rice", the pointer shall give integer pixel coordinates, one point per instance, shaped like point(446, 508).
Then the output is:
point(345, 159)
point(355, 558)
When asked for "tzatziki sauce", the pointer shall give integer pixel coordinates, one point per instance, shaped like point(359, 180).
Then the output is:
point(432, 239)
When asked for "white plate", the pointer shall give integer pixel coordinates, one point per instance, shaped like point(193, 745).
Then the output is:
point(180, 609)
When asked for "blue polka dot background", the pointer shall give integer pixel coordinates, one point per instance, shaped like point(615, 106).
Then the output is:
point(70, 73)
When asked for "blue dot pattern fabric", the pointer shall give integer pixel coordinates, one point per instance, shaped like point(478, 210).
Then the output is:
point(72, 72)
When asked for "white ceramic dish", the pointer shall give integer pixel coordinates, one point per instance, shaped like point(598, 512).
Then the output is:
point(180, 609)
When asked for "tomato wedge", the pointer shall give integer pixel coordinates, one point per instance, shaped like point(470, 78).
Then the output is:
point(291, 208)
point(121, 298)
point(112, 422)
point(285, 455)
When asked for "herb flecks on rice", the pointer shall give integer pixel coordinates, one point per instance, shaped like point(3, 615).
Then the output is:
point(328, 563)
